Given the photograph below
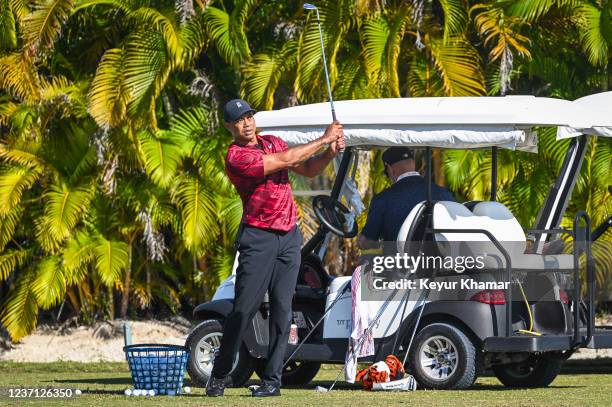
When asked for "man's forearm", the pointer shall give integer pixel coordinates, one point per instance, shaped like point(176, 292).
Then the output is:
point(291, 158)
point(315, 165)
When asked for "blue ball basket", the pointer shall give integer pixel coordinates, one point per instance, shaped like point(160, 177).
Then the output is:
point(157, 367)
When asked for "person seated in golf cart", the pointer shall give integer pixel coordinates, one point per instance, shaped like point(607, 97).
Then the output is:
point(390, 207)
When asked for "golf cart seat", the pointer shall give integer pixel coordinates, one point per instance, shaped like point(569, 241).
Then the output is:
point(411, 227)
point(495, 218)
point(497, 212)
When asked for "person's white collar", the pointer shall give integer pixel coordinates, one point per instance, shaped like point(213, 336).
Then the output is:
point(408, 174)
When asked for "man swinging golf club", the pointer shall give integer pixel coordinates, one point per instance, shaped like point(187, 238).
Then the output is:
point(268, 241)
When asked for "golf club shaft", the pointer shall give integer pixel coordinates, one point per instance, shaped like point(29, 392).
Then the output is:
point(331, 98)
point(329, 91)
point(363, 336)
point(416, 326)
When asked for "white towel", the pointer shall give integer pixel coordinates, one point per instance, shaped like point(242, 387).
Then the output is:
point(361, 341)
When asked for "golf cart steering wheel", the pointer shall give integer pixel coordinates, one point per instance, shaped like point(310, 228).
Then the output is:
point(331, 213)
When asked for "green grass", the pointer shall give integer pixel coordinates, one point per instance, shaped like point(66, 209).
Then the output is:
point(580, 384)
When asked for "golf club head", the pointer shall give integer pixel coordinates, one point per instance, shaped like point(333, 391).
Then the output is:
point(321, 389)
point(309, 6)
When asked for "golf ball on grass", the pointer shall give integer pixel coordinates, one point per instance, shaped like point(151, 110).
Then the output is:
point(187, 389)
point(151, 392)
point(128, 392)
point(78, 392)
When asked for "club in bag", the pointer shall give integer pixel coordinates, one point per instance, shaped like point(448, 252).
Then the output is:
point(309, 6)
point(362, 339)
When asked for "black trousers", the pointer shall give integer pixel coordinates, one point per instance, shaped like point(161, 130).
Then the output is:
point(269, 261)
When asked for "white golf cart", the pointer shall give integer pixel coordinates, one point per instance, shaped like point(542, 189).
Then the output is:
point(450, 339)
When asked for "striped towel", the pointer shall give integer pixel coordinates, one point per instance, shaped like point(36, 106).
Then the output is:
point(361, 341)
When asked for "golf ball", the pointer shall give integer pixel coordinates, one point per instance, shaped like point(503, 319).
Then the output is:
point(136, 392)
point(78, 392)
point(151, 392)
point(187, 389)
point(128, 392)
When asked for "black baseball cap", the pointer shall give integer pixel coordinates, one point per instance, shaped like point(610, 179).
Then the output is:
point(235, 108)
point(395, 154)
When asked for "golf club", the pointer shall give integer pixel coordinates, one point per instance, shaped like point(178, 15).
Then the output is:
point(362, 339)
point(308, 6)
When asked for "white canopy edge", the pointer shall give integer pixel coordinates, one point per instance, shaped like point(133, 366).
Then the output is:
point(447, 122)
point(599, 103)
point(440, 137)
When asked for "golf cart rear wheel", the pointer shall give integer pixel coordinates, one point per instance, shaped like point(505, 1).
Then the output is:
point(537, 371)
point(202, 342)
point(442, 356)
point(296, 372)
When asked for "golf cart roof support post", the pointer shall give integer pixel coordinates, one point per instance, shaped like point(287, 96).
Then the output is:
point(494, 173)
point(557, 199)
point(342, 172)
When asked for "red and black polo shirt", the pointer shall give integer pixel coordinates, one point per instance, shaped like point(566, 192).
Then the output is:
point(267, 201)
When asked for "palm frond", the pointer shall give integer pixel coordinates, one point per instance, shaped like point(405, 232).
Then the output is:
point(590, 22)
point(20, 157)
point(198, 212)
point(111, 260)
point(534, 9)
point(423, 79)
point(125, 6)
point(20, 7)
point(10, 260)
point(455, 18)
point(458, 65)
point(382, 38)
point(43, 25)
point(147, 66)
point(8, 34)
point(108, 97)
point(18, 77)
point(13, 182)
point(336, 21)
point(151, 20)
point(162, 156)
point(189, 125)
point(8, 225)
point(231, 216)
point(49, 285)
point(228, 31)
point(77, 254)
point(354, 84)
point(64, 207)
point(262, 74)
point(20, 310)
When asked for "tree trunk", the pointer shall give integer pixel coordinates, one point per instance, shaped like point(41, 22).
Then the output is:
point(111, 302)
point(125, 298)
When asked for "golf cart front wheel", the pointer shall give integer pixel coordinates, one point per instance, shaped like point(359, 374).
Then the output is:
point(537, 371)
point(296, 373)
point(202, 343)
point(442, 356)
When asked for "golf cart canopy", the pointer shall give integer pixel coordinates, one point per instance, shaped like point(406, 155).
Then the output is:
point(599, 103)
point(447, 122)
